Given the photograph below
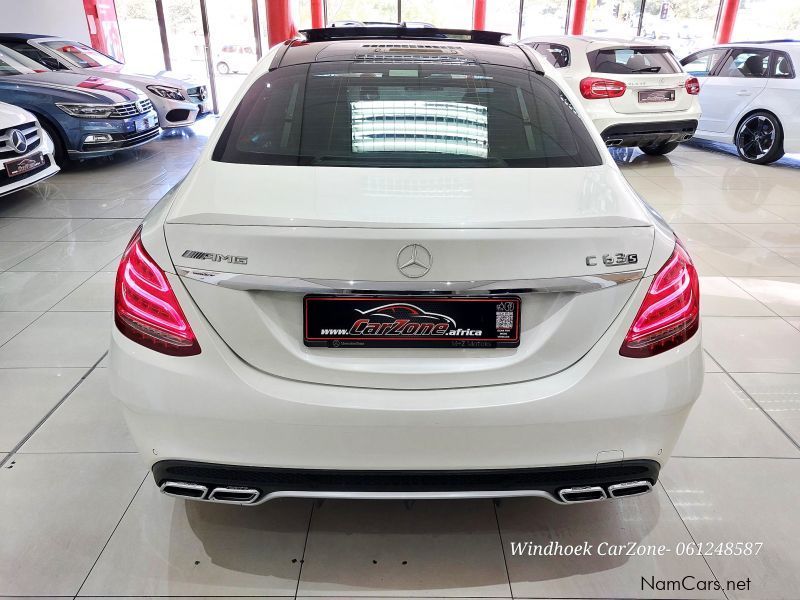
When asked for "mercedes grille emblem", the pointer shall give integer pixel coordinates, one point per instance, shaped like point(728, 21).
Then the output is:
point(414, 261)
point(18, 141)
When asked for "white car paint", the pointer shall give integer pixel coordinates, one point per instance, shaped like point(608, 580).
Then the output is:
point(256, 396)
point(626, 110)
point(196, 100)
point(14, 118)
point(727, 100)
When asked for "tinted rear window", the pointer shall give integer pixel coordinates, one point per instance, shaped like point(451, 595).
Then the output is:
point(633, 60)
point(406, 115)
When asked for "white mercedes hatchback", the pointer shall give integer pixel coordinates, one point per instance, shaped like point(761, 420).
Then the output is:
point(405, 267)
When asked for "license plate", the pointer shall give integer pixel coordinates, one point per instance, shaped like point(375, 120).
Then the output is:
point(646, 96)
point(24, 165)
point(411, 321)
point(145, 124)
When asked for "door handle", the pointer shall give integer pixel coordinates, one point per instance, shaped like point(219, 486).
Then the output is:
point(743, 93)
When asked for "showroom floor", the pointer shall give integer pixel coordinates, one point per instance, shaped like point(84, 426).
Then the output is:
point(79, 516)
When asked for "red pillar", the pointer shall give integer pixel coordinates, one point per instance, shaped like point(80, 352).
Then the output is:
point(578, 17)
point(280, 24)
point(727, 20)
point(101, 19)
point(479, 14)
point(317, 14)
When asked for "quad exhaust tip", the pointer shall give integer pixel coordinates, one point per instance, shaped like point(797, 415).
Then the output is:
point(614, 142)
point(589, 493)
point(631, 488)
point(220, 495)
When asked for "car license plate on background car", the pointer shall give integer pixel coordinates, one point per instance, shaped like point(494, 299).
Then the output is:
point(24, 165)
point(411, 321)
point(646, 96)
point(145, 124)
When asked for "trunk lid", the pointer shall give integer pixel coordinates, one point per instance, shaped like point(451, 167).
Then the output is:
point(341, 229)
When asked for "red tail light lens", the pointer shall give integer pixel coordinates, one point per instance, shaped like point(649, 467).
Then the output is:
point(670, 312)
point(593, 88)
point(145, 307)
point(692, 86)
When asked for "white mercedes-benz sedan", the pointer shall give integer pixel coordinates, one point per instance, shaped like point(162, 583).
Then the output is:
point(405, 267)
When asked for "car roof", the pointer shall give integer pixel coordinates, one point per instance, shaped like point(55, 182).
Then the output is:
point(384, 45)
point(779, 44)
point(590, 40)
point(21, 37)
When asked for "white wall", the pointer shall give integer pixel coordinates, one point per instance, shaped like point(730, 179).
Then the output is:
point(64, 18)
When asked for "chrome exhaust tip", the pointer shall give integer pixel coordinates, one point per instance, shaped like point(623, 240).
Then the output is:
point(614, 142)
point(589, 493)
point(630, 488)
point(234, 495)
point(180, 489)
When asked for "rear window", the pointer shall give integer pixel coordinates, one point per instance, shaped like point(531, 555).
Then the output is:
point(633, 60)
point(406, 115)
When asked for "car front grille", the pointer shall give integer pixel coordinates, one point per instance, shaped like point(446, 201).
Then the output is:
point(31, 132)
point(131, 109)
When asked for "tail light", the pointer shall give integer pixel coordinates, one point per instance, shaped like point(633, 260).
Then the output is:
point(670, 312)
point(593, 88)
point(693, 86)
point(145, 307)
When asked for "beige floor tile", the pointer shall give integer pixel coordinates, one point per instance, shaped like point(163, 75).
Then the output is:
point(787, 212)
point(719, 296)
point(90, 420)
point(711, 366)
point(752, 344)
point(794, 322)
point(648, 519)
point(32, 291)
point(383, 548)
point(11, 323)
point(742, 500)
point(716, 235)
point(745, 262)
point(780, 294)
point(73, 256)
point(95, 294)
point(779, 395)
point(790, 254)
point(37, 230)
point(104, 230)
point(56, 513)
point(747, 431)
point(771, 235)
point(13, 253)
point(742, 214)
point(59, 339)
point(170, 547)
point(27, 396)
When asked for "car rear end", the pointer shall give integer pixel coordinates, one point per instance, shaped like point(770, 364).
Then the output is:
point(639, 95)
point(393, 275)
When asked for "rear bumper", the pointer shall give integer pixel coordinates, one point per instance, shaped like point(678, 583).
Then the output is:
point(640, 134)
point(270, 483)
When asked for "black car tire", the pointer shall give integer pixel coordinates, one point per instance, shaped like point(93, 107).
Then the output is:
point(659, 149)
point(60, 151)
point(223, 68)
point(759, 138)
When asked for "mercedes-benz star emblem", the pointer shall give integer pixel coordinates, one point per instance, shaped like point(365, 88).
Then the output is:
point(414, 261)
point(18, 141)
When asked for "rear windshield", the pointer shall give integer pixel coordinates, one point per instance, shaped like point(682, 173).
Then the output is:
point(406, 115)
point(633, 60)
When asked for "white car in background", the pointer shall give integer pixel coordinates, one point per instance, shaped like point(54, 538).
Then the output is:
point(235, 58)
point(178, 101)
point(750, 95)
point(372, 323)
point(26, 151)
point(636, 93)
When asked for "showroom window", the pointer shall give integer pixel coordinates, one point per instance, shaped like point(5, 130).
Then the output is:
point(541, 17)
point(362, 10)
point(453, 14)
point(613, 18)
point(684, 25)
point(767, 20)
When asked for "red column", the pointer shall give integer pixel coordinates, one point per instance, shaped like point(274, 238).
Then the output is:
point(101, 19)
point(727, 20)
point(317, 14)
point(280, 24)
point(577, 17)
point(479, 14)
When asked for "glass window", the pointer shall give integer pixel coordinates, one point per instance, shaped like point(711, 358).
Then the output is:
point(686, 26)
point(406, 115)
point(746, 63)
point(702, 63)
point(633, 60)
point(613, 18)
point(379, 11)
point(767, 20)
point(502, 15)
point(138, 27)
point(541, 17)
point(9, 67)
point(556, 54)
point(40, 57)
point(783, 66)
point(453, 14)
point(82, 55)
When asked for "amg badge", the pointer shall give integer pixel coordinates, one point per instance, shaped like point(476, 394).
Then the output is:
point(228, 258)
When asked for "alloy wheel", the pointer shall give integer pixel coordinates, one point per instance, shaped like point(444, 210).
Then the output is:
point(756, 137)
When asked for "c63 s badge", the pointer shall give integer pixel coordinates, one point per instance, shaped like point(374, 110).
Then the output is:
point(612, 260)
point(213, 256)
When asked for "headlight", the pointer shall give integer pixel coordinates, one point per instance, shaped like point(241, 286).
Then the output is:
point(166, 92)
point(87, 111)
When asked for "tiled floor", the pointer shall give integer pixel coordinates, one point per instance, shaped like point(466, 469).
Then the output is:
point(78, 517)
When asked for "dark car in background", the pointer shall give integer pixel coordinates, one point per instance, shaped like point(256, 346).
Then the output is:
point(85, 116)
